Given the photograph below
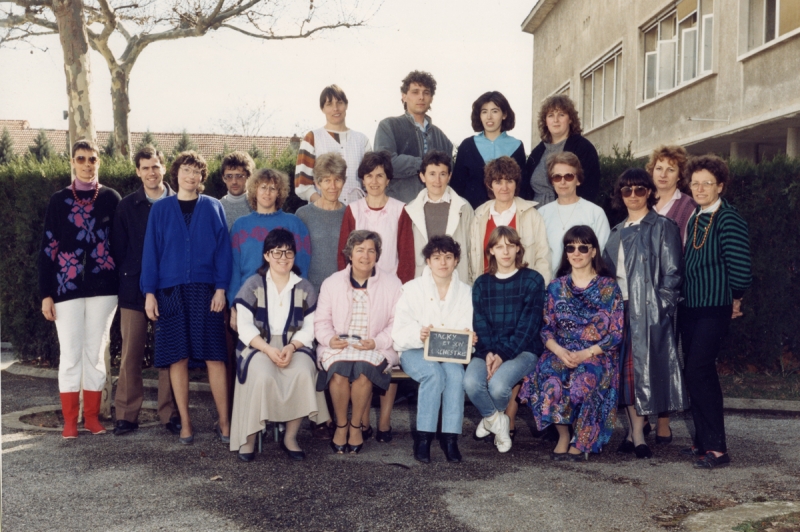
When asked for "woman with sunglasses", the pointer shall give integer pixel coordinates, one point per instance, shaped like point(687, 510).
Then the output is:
point(718, 272)
point(574, 386)
point(566, 174)
point(644, 252)
point(78, 285)
point(276, 375)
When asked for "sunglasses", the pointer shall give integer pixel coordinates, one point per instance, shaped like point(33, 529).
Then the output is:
point(583, 249)
point(81, 159)
point(639, 190)
point(556, 178)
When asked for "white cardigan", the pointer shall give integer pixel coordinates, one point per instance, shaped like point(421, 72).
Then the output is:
point(419, 307)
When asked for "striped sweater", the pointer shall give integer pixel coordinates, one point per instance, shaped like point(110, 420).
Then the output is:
point(719, 271)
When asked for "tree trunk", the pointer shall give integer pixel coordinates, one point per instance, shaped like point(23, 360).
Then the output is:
point(75, 46)
point(121, 105)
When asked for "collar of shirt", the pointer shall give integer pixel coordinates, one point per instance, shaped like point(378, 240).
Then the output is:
point(355, 284)
point(492, 149)
point(444, 199)
point(505, 217)
point(422, 127)
point(675, 197)
point(293, 280)
point(713, 207)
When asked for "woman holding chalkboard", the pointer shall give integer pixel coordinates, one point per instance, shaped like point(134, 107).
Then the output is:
point(507, 305)
point(437, 299)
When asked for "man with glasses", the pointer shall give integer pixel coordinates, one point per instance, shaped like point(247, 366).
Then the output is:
point(237, 167)
point(127, 244)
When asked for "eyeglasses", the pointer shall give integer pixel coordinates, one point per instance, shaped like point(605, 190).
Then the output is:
point(639, 190)
point(556, 178)
point(265, 188)
point(231, 177)
point(278, 253)
point(192, 170)
point(81, 159)
point(702, 184)
point(583, 249)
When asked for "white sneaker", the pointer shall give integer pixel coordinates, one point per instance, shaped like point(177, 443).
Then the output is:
point(481, 431)
point(502, 439)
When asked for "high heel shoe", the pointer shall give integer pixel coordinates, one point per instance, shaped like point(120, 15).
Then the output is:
point(627, 446)
point(643, 451)
point(664, 439)
point(340, 449)
point(354, 449)
point(366, 434)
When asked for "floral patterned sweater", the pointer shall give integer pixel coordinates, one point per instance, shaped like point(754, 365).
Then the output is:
point(75, 260)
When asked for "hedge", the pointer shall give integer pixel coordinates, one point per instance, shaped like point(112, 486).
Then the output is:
point(767, 195)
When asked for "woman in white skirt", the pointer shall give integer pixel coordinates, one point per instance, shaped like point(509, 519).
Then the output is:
point(275, 369)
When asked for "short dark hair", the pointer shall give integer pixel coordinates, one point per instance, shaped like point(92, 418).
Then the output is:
point(562, 102)
point(148, 152)
point(581, 234)
point(278, 238)
point(422, 78)
point(501, 168)
point(238, 159)
point(359, 236)
point(442, 244)
point(512, 237)
point(436, 157)
point(630, 178)
point(715, 166)
point(500, 101)
point(374, 159)
point(191, 158)
point(85, 144)
point(330, 93)
point(568, 158)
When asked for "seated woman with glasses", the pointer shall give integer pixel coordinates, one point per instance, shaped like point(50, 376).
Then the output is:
point(644, 252)
point(276, 375)
point(566, 174)
point(576, 380)
point(267, 189)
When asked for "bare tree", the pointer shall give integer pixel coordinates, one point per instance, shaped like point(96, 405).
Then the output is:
point(246, 121)
point(139, 24)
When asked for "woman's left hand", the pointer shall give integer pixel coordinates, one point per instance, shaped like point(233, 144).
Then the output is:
point(737, 309)
point(218, 301)
point(286, 355)
point(365, 345)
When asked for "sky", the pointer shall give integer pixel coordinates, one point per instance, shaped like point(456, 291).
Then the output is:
point(197, 84)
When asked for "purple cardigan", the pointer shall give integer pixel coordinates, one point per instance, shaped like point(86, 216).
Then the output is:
point(681, 211)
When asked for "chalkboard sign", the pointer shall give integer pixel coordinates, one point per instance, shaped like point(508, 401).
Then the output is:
point(447, 345)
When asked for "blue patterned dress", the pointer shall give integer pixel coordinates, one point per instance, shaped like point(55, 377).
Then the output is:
point(585, 396)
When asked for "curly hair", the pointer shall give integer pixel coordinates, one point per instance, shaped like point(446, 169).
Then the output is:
point(716, 166)
point(500, 101)
point(357, 237)
point(512, 237)
point(442, 244)
point(188, 158)
point(267, 175)
point(568, 158)
point(330, 164)
point(501, 168)
point(563, 103)
point(421, 78)
point(238, 159)
point(633, 177)
point(676, 155)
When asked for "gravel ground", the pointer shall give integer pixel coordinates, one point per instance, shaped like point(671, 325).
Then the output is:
point(147, 481)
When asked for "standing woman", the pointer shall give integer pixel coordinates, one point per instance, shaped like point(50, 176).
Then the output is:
point(492, 117)
point(78, 285)
point(186, 268)
point(644, 252)
point(276, 375)
point(717, 274)
point(560, 130)
point(667, 165)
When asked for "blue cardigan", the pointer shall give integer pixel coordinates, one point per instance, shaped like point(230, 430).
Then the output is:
point(175, 254)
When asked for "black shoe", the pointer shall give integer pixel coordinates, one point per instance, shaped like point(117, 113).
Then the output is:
point(383, 437)
point(643, 451)
point(340, 449)
point(710, 461)
point(422, 446)
point(449, 444)
point(627, 446)
point(366, 434)
point(550, 433)
point(247, 457)
point(297, 456)
point(580, 457)
point(691, 451)
point(647, 429)
point(512, 433)
point(124, 427)
point(222, 438)
point(664, 439)
point(558, 457)
point(174, 425)
point(354, 449)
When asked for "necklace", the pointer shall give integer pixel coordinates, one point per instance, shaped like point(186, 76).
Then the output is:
point(85, 202)
point(705, 234)
point(571, 212)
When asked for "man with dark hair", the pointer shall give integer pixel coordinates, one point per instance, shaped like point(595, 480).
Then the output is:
point(410, 136)
point(127, 244)
point(237, 167)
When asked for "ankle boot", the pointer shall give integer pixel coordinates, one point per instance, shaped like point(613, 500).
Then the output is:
point(70, 402)
point(449, 444)
point(422, 446)
point(91, 407)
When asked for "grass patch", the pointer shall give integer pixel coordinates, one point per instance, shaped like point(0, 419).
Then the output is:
point(781, 523)
point(760, 386)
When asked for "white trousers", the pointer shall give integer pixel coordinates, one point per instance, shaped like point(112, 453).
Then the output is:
point(83, 327)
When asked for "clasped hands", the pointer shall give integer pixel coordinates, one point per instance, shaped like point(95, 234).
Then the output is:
point(341, 343)
point(572, 359)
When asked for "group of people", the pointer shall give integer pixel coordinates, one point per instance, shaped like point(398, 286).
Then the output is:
point(308, 314)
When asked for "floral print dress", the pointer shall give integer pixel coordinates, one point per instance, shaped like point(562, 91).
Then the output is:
point(585, 396)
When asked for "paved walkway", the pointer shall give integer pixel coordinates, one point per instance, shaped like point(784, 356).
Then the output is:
point(147, 481)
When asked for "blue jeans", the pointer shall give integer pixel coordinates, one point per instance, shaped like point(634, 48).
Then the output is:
point(440, 383)
point(492, 396)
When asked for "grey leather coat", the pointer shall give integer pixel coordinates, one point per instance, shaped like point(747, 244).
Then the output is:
point(654, 270)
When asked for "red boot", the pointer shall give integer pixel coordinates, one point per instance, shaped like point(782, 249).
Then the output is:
point(70, 402)
point(91, 407)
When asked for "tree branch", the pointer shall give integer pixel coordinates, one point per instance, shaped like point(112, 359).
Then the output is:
point(301, 35)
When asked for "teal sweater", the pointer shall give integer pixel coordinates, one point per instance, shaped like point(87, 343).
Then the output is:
point(718, 272)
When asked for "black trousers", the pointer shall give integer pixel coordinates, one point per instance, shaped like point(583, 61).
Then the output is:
point(702, 331)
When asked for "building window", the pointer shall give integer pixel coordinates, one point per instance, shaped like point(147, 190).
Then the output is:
point(770, 19)
point(602, 90)
point(678, 47)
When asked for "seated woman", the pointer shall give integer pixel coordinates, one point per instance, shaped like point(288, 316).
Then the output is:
point(436, 299)
point(507, 304)
point(576, 380)
point(353, 325)
point(276, 375)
